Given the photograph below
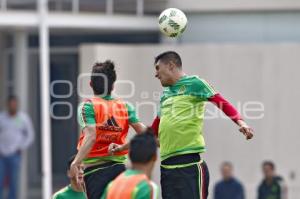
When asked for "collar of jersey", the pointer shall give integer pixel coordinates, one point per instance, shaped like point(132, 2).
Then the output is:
point(71, 188)
point(107, 97)
point(181, 78)
point(134, 171)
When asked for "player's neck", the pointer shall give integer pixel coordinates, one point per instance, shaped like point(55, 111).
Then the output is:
point(144, 169)
point(75, 187)
point(177, 76)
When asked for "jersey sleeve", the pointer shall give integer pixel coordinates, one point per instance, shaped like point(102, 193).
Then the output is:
point(132, 117)
point(158, 111)
point(226, 107)
point(56, 196)
point(155, 190)
point(155, 126)
point(142, 191)
point(202, 89)
point(86, 114)
point(146, 190)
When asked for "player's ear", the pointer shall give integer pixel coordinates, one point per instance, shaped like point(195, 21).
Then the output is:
point(172, 65)
point(68, 174)
point(154, 158)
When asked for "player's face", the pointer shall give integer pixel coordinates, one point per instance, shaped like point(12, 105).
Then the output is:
point(163, 73)
point(80, 174)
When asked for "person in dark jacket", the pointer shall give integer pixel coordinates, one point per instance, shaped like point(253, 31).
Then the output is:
point(272, 186)
point(229, 187)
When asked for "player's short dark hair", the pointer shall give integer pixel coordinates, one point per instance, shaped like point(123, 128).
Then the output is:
point(11, 98)
point(103, 77)
point(168, 56)
point(142, 147)
point(269, 163)
point(71, 159)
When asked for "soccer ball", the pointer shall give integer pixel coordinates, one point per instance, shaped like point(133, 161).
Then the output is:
point(172, 22)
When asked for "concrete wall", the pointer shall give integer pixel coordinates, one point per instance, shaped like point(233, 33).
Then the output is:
point(232, 5)
point(248, 75)
point(242, 27)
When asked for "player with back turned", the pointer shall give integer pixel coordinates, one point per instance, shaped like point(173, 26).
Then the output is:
point(104, 121)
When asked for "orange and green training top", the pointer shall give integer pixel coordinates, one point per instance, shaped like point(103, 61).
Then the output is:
point(111, 117)
point(131, 184)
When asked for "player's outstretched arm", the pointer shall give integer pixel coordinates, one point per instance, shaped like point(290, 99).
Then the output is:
point(114, 148)
point(232, 113)
point(88, 142)
point(139, 127)
point(245, 129)
point(134, 121)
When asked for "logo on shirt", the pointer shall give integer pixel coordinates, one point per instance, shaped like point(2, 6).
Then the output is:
point(181, 90)
point(110, 125)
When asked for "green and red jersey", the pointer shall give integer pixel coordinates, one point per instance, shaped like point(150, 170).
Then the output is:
point(181, 115)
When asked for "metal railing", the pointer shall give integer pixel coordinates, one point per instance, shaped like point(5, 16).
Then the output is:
point(137, 7)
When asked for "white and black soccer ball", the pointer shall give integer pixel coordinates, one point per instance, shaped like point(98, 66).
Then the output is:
point(172, 22)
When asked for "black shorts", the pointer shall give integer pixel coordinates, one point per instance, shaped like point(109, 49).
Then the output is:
point(184, 182)
point(96, 178)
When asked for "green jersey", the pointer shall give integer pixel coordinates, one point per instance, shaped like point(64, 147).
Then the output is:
point(182, 108)
point(69, 193)
point(145, 189)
